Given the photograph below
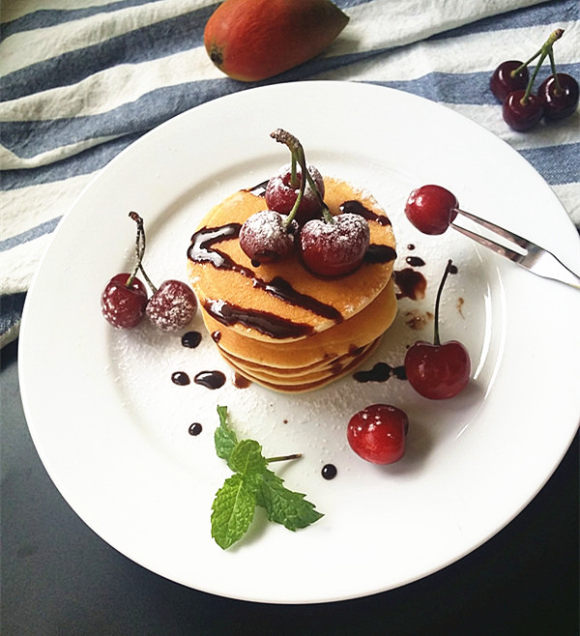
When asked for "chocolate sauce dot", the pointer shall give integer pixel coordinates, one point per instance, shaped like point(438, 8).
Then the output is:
point(329, 471)
point(241, 382)
point(410, 247)
point(216, 335)
point(210, 379)
point(415, 261)
point(181, 378)
point(191, 339)
point(453, 269)
point(195, 429)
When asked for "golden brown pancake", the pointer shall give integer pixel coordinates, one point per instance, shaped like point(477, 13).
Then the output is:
point(283, 302)
point(302, 387)
point(346, 336)
point(278, 324)
point(270, 374)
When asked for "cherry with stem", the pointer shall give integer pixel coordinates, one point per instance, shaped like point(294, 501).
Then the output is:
point(268, 236)
point(558, 93)
point(322, 243)
point(438, 370)
point(522, 109)
point(124, 299)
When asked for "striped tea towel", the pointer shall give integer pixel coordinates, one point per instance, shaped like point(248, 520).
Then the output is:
point(83, 79)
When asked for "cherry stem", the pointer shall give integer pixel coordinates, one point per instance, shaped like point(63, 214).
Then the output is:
point(555, 35)
point(557, 87)
point(543, 52)
point(436, 339)
point(284, 137)
point(293, 175)
point(140, 245)
point(283, 458)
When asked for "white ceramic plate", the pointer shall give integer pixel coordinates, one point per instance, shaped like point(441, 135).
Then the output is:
point(112, 429)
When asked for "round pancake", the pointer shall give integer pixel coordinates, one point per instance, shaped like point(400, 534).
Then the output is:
point(284, 302)
point(313, 385)
point(343, 338)
point(310, 374)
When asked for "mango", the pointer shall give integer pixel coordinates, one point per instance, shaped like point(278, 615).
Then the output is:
point(251, 40)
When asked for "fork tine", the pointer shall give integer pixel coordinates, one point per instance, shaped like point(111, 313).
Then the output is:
point(500, 231)
point(514, 256)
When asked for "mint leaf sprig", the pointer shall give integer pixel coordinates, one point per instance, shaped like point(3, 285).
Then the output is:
point(252, 484)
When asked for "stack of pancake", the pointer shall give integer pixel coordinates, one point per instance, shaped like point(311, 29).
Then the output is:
point(278, 324)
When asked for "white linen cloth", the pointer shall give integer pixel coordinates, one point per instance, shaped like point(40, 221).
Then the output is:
point(82, 79)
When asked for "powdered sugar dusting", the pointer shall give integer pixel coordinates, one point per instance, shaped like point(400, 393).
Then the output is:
point(172, 306)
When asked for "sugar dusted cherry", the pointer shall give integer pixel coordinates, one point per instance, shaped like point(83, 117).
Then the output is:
point(123, 301)
point(282, 192)
point(266, 238)
point(378, 433)
point(334, 246)
point(172, 306)
point(431, 209)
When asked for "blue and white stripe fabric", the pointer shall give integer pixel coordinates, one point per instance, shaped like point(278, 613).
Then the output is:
point(83, 79)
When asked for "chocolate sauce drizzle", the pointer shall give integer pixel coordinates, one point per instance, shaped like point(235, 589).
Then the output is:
point(411, 284)
point(356, 207)
point(262, 321)
point(259, 190)
point(379, 254)
point(375, 253)
point(201, 250)
point(381, 372)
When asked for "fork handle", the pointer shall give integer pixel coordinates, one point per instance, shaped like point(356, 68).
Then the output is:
point(552, 267)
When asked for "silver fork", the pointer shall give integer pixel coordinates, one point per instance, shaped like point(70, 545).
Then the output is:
point(534, 258)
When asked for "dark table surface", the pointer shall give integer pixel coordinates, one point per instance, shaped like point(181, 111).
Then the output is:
point(58, 577)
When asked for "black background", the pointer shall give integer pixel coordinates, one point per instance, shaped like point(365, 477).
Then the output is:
point(58, 577)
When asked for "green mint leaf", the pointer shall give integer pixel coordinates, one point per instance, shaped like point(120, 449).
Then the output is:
point(246, 458)
point(232, 511)
point(285, 506)
point(224, 437)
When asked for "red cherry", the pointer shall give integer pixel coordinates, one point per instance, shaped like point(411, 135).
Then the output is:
point(172, 306)
point(378, 433)
point(522, 114)
point(265, 237)
point(503, 82)
point(124, 305)
point(281, 194)
point(440, 370)
point(431, 209)
point(558, 101)
point(335, 247)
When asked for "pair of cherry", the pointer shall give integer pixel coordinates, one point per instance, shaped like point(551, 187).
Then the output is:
point(435, 370)
point(512, 85)
point(124, 301)
point(298, 218)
